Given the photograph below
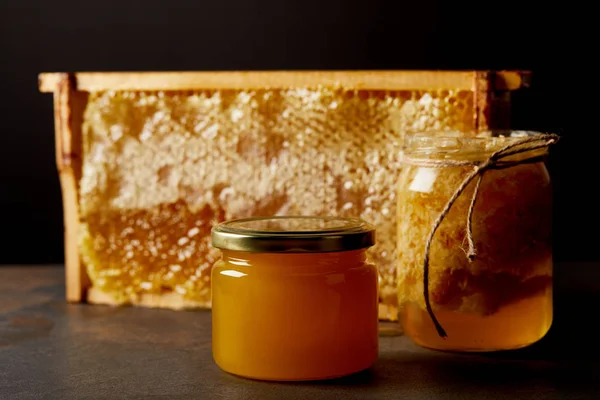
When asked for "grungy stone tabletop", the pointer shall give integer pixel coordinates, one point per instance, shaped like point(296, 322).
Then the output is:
point(53, 350)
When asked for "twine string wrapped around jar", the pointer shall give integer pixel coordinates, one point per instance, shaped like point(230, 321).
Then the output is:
point(497, 160)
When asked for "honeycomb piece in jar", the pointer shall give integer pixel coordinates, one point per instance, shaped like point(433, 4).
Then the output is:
point(511, 229)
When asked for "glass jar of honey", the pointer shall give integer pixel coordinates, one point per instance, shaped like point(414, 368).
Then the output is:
point(474, 240)
point(294, 298)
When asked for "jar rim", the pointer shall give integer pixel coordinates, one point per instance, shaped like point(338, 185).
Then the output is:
point(452, 142)
point(293, 234)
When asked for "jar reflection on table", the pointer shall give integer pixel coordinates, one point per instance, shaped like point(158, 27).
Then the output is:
point(503, 298)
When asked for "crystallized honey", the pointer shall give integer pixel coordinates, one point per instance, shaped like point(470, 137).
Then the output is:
point(159, 169)
point(503, 298)
point(295, 304)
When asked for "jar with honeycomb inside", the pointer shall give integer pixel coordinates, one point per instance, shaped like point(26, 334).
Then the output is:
point(294, 298)
point(474, 240)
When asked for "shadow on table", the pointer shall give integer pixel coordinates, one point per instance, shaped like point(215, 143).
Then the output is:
point(427, 374)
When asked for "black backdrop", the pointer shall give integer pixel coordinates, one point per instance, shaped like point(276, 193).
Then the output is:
point(553, 40)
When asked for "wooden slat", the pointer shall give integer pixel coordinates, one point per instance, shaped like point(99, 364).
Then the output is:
point(367, 80)
point(68, 118)
point(482, 86)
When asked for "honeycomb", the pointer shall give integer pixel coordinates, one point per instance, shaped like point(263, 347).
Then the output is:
point(161, 168)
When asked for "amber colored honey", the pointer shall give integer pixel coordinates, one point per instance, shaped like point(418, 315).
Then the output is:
point(514, 326)
point(294, 316)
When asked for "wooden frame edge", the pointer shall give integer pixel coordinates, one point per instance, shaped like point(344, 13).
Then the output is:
point(491, 98)
point(482, 84)
point(365, 80)
point(68, 110)
point(70, 89)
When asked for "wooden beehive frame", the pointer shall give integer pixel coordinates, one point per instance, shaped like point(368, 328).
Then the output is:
point(71, 92)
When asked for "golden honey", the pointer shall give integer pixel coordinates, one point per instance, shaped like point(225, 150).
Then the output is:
point(294, 298)
point(502, 299)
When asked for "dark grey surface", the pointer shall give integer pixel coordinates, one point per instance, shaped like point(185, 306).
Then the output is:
point(53, 350)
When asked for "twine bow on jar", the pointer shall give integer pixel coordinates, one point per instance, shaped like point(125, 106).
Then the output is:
point(497, 160)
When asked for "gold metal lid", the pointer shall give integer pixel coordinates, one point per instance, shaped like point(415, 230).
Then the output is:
point(293, 234)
